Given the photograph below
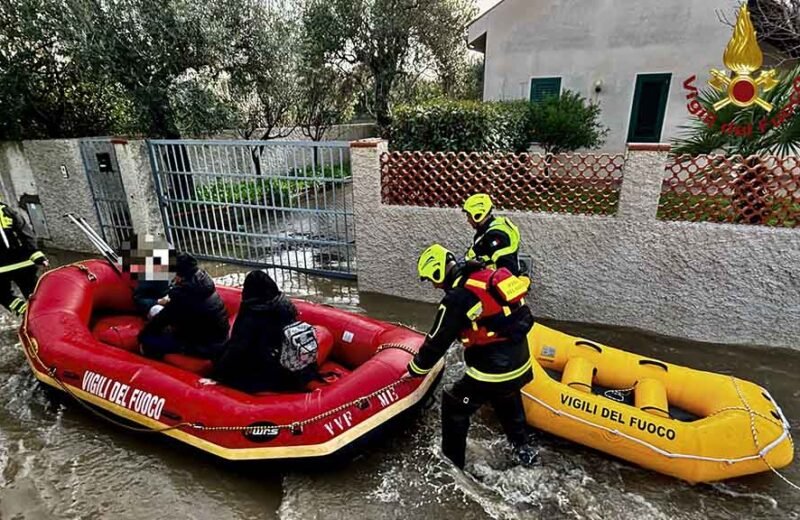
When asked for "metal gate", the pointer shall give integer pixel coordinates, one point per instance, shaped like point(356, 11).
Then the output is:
point(265, 203)
point(108, 192)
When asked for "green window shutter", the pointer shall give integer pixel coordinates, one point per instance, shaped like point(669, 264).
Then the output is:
point(650, 97)
point(544, 87)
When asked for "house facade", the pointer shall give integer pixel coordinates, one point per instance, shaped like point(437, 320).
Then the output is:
point(631, 57)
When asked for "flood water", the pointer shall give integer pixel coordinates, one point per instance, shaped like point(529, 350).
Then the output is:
point(59, 461)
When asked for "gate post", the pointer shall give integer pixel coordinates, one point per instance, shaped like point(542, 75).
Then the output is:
point(365, 160)
point(642, 176)
point(137, 178)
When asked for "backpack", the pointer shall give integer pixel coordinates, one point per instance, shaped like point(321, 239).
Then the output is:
point(299, 348)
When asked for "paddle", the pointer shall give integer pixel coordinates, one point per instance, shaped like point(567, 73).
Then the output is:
point(97, 241)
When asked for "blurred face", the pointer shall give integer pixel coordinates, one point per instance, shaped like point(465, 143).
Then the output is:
point(472, 222)
point(148, 259)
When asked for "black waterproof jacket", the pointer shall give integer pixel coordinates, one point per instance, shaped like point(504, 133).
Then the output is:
point(148, 292)
point(251, 361)
point(20, 236)
point(195, 313)
point(487, 242)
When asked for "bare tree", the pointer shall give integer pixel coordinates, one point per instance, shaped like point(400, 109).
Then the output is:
point(777, 23)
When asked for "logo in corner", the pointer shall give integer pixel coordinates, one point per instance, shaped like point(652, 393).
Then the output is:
point(743, 57)
point(741, 86)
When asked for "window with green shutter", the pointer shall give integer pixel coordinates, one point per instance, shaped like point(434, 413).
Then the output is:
point(544, 87)
point(649, 105)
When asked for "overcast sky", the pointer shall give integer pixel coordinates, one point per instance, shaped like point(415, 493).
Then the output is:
point(483, 5)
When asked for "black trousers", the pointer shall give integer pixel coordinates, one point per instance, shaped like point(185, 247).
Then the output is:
point(466, 397)
point(24, 278)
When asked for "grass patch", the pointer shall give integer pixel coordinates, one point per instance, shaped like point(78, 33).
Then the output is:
point(265, 189)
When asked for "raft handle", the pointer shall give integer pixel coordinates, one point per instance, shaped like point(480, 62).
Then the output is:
point(589, 344)
point(658, 364)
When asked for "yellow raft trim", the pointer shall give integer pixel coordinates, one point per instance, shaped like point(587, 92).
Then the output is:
point(273, 452)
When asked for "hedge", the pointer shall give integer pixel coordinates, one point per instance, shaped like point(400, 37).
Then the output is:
point(558, 124)
point(447, 125)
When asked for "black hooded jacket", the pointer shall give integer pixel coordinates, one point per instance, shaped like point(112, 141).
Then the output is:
point(195, 313)
point(251, 361)
point(148, 292)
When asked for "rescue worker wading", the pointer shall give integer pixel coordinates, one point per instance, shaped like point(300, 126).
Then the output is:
point(485, 309)
point(496, 240)
point(19, 259)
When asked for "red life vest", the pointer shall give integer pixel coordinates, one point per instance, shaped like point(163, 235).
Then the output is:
point(500, 293)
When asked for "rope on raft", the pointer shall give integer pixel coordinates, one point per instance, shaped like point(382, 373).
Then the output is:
point(761, 452)
point(296, 427)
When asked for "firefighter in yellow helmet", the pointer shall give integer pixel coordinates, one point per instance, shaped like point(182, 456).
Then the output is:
point(484, 309)
point(19, 259)
point(496, 241)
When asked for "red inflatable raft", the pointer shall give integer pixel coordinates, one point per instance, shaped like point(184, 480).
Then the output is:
point(79, 336)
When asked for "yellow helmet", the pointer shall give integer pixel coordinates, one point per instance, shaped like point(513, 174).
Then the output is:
point(433, 262)
point(478, 206)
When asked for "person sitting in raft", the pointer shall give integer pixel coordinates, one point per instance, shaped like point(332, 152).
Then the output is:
point(252, 359)
point(148, 262)
point(194, 320)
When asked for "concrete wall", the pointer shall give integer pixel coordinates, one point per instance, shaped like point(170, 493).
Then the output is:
point(61, 195)
point(603, 40)
point(714, 282)
point(16, 175)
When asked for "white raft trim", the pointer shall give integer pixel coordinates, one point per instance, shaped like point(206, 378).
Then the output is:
point(760, 455)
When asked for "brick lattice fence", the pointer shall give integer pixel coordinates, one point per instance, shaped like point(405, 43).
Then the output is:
point(756, 190)
point(567, 183)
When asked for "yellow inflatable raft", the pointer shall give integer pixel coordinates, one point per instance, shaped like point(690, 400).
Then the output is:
point(693, 425)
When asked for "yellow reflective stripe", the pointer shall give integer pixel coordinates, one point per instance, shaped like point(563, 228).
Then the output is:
point(14, 303)
point(438, 324)
point(507, 311)
point(416, 369)
point(507, 227)
point(5, 220)
point(475, 311)
point(14, 267)
point(22, 308)
point(470, 254)
point(498, 378)
point(476, 283)
point(37, 255)
point(455, 282)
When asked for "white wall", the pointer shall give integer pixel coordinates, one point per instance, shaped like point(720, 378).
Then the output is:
point(723, 283)
point(608, 40)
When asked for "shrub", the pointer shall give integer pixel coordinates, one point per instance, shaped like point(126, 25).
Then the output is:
point(453, 126)
point(566, 123)
point(559, 124)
